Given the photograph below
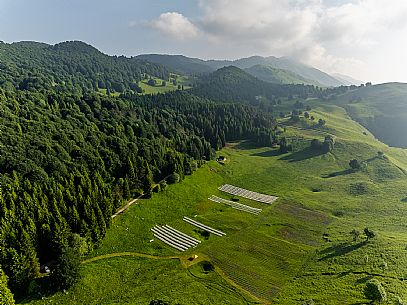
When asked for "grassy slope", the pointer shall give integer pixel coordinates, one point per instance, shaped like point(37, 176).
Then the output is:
point(147, 89)
point(381, 108)
point(280, 255)
point(279, 76)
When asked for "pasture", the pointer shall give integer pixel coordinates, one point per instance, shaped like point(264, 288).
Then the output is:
point(297, 249)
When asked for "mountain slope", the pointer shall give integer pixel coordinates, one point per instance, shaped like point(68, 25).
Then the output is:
point(380, 108)
point(179, 63)
point(74, 65)
point(235, 85)
point(278, 76)
point(347, 80)
point(197, 66)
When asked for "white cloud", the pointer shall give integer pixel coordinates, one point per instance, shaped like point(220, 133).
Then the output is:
point(176, 25)
point(333, 35)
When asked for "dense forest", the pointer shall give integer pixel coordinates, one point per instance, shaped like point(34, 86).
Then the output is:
point(71, 154)
point(71, 66)
point(233, 84)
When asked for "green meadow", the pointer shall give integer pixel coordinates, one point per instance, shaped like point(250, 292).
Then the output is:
point(169, 86)
point(296, 250)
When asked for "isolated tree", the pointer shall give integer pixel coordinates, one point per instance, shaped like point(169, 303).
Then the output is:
point(369, 233)
point(163, 83)
point(329, 143)
point(152, 82)
point(6, 297)
point(321, 122)
point(283, 145)
point(354, 164)
point(355, 233)
point(375, 291)
point(306, 115)
point(316, 144)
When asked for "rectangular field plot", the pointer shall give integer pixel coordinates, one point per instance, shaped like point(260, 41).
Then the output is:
point(235, 205)
point(204, 227)
point(260, 264)
point(238, 191)
point(174, 238)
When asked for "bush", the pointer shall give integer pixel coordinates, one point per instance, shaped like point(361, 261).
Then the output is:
point(375, 291)
point(354, 164)
point(163, 185)
point(152, 82)
point(208, 266)
point(174, 178)
point(66, 269)
point(157, 188)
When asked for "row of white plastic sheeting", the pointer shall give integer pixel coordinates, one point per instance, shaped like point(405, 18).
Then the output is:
point(238, 191)
point(174, 238)
point(235, 205)
point(203, 227)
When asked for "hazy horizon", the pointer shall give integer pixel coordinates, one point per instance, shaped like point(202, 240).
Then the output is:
point(361, 39)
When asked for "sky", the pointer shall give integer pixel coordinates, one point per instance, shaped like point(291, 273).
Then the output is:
point(365, 39)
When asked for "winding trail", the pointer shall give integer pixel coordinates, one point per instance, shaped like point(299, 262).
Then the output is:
point(122, 254)
point(186, 263)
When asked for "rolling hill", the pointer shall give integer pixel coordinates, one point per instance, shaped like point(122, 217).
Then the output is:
point(380, 108)
point(233, 84)
point(278, 76)
point(188, 65)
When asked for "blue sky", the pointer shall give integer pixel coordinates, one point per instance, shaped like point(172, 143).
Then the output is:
point(360, 38)
point(102, 23)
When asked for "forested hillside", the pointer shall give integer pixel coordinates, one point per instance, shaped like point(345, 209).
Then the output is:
point(72, 66)
point(70, 156)
point(233, 84)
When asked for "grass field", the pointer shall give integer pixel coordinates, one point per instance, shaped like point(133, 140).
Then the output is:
point(297, 249)
point(169, 86)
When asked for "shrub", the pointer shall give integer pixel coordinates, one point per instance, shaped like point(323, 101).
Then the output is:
point(208, 266)
point(375, 291)
point(157, 188)
point(66, 269)
point(152, 82)
point(163, 185)
point(174, 178)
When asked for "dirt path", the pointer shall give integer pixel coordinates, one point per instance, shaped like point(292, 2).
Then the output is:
point(121, 254)
point(186, 263)
point(129, 204)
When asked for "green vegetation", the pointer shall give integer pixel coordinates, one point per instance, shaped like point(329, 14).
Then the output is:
point(6, 297)
point(381, 109)
point(73, 153)
point(279, 76)
point(154, 85)
point(233, 84)
point(298, 249)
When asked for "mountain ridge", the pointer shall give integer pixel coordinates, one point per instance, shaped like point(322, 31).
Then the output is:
point(180, 64)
